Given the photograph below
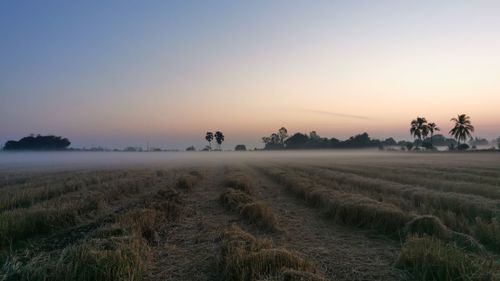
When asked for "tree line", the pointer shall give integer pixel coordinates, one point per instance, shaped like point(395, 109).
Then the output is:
point(38, 143)
point(462, 130)
point(423, 132)
point(281, 140)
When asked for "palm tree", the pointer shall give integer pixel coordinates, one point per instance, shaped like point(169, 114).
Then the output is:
point(463, 128)
point(419, 128)
point(219, 137)
point(209, 137)
point(432, 128)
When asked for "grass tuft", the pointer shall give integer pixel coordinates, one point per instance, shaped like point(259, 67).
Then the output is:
point(429, 225)
point(430, 258)
point(260, 214)
point(245, 258)
point(234, 199)
point(188, 181)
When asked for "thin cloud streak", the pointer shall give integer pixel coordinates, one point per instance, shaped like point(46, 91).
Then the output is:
point(337, 114)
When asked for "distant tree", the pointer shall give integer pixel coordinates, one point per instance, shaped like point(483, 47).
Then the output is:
point(334, 143)
point(313, 136)
point(219, 138)
point(240, 147)
point(282, 134)
point(360, 141)
point(38, 143)
point(462, 129)
point(209, 137)
point(432, 127)
point(498, 143)
point(276, 140)
point(409, 146)
point(297, 141)
point(191, 148)
point(479, 141)
point(389, 142)
point(419, 129)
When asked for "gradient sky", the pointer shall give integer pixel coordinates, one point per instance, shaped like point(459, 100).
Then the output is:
point(119, 73)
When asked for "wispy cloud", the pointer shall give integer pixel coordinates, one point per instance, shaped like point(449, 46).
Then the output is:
point(336, 114)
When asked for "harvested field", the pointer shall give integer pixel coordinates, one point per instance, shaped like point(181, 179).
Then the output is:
point(296, 216)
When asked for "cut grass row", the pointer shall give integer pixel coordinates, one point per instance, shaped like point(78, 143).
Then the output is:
point(470, 206)
point(433, 259)
point(474, 188)
point(26, 197)
point(117, 251)
point(347, 208)
point(461, 212)
point(19, 224)
point(245, 258)
point(238, 197)
point(49, 179)
point(416, 231)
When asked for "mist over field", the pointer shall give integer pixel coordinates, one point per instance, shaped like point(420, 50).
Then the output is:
point(65, 160)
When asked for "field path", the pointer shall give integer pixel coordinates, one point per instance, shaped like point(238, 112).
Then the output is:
point(341, 253)
point(188, 249)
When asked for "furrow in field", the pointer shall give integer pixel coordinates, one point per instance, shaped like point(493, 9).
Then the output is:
point(26, 197)
point(188, 249)
point(68, 211)
point(484, 190)
point(452, 174)
point(469, 214)
point(419, 198)
point(341, 252)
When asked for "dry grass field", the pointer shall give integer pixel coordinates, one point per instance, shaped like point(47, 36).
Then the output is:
point(297, 216)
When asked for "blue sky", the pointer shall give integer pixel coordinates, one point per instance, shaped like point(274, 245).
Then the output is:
point(119, 73)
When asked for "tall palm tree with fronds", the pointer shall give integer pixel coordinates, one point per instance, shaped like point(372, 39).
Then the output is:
point(432, 128)
point(463, 128)
point(209, 137)
point(219, 138)
point(419, 128)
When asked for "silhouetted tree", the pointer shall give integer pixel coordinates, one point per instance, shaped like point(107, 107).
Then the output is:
point(282, 134)
point(419, 129)
point(359, 141)
point(240, 147)
point(276, 140)
point(219, 138)
point(297, 141)
point(432, 127)
point(462, 129)
point(389, 142)
point(314, 136)
point(209, 137)
point(38, 143)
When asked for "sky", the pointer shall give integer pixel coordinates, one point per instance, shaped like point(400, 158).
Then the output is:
point(129, 73)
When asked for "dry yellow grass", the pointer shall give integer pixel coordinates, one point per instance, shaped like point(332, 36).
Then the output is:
point(245, 258)
point(432, 259)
